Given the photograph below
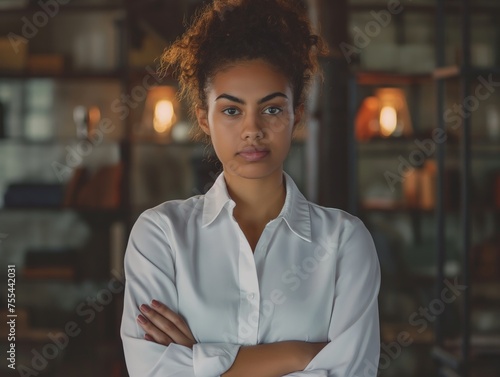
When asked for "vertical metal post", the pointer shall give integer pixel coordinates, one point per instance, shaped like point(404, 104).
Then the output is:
point(465, 184)
point(440, 156)
point(334, 128)
point(353, 150)
point(126, 142)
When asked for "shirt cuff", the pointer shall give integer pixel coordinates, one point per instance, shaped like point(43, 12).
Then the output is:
point(213, 359)
point(309, 373)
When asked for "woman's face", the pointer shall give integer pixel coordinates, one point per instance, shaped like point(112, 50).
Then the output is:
point(250, 118)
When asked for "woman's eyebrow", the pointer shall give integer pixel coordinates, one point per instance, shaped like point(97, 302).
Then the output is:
point(239, 100)
point(271, 96)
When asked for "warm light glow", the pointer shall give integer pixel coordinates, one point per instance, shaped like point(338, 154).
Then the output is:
point(94, 115)
point(161, 112)
point(164, 116)
point(388, 120)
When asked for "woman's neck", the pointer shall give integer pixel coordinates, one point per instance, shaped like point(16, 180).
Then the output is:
point(257, 200)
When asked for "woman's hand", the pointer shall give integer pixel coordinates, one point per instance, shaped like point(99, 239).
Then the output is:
point(164, 326)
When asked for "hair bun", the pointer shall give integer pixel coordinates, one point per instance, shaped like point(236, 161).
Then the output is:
point(225, 31)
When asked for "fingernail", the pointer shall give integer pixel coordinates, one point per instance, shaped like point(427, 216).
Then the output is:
point(145, 308)
point(148, 337)
point(141, 319)
point(155, 303)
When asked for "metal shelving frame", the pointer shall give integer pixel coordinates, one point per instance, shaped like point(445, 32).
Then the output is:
point(449, 364)
point(452, 364)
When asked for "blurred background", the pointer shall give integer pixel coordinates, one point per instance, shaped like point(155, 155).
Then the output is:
point(404, 132)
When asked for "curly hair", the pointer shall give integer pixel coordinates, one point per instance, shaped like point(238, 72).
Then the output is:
point(227, 31)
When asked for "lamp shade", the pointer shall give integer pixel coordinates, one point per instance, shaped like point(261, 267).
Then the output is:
point(384, 115)
point(160, 112)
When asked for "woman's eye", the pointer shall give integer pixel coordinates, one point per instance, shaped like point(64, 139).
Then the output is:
point(273, 110)
point(231, 111)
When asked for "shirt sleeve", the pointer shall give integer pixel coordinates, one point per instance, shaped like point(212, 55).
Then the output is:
point(354, 333)
point(309, 373)
point(150, 273)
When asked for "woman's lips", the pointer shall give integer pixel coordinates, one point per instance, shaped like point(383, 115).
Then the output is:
point(252, 156)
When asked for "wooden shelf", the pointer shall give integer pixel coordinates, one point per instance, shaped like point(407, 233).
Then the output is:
point(396, 208)
point(402, 208)
point(24, 331)
point(390, 331)
point(385, 147)
point(385, 78)
point(485, 295)
point(455, 71)
point(390, 147)
point(50, 142)
point(485, 351)
point(101, 213)
point(66, 75)
point(446, 72)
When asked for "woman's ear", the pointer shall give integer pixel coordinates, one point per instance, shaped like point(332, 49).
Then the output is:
point(298, 114)
point(202, 117)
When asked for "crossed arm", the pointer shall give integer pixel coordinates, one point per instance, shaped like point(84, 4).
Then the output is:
point(170, 348)
point(164, 326)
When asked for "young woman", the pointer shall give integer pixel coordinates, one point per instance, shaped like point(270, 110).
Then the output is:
point(249, 279)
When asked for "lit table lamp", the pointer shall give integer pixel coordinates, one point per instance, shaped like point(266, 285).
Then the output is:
point(160, 113)
point(384, 115)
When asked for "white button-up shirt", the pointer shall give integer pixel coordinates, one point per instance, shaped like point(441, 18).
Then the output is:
point(314, 276)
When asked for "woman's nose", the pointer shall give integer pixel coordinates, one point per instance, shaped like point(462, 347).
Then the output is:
point(252, 128)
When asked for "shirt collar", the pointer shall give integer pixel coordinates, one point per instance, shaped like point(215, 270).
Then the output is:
point(295, 211)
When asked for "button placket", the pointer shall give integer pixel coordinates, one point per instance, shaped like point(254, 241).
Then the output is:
point(249, 285)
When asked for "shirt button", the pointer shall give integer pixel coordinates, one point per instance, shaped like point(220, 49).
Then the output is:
point(250, 296)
